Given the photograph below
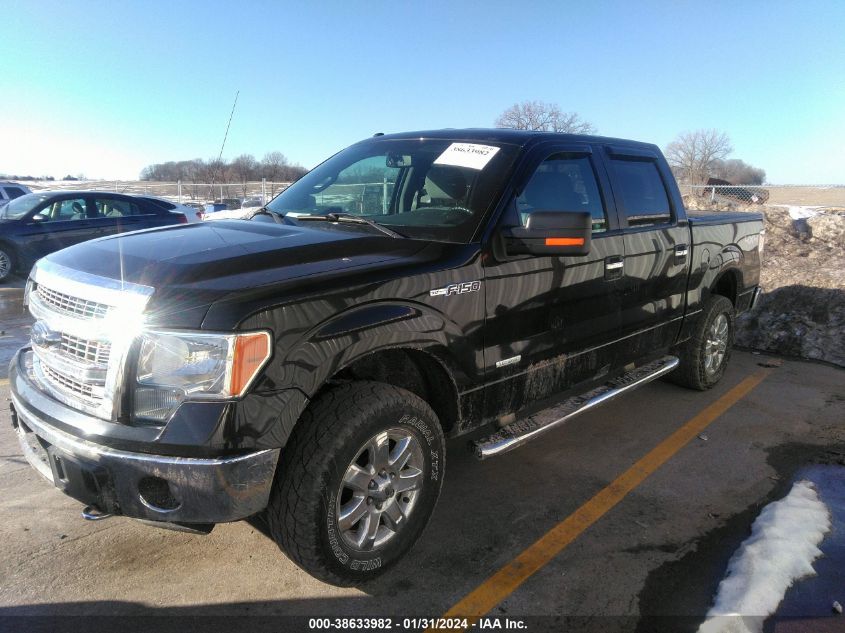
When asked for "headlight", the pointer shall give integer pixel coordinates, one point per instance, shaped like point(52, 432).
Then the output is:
point(176, 366)
point(27, 291)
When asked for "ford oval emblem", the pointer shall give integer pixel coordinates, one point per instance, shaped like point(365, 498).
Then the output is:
point(43, 336)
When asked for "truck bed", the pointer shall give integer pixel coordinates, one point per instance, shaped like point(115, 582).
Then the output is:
point(706, 218)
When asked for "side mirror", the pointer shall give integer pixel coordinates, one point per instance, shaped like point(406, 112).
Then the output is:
point(39, 218)
point(551, 233)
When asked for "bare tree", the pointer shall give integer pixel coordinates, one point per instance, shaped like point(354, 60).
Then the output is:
point(219, 173)
point(243, 168)
point(543, 117)
point(292, 173)
point(273, 168)
point(215, 171)
point(693, 155)
point(194, 172)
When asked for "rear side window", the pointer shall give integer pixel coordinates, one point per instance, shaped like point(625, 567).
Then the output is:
point(114, 208)
point(641, 192)
point(14, 192)
point(564, 182)
point(160, 204)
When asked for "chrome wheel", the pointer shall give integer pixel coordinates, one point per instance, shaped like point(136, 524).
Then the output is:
point(380, 489)
point(716, 344)
point(5, 265)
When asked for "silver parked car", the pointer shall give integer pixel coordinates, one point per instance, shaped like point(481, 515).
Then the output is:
point(12, 190)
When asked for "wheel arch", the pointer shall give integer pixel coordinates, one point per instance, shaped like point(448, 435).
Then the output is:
point(403, 344)
point(10, 248)
point(727, 284)
point(423, 372)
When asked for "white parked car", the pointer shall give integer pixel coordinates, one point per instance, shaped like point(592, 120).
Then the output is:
point(248, 207)
point(192, 213)
point(228, 214)
point(252, 203)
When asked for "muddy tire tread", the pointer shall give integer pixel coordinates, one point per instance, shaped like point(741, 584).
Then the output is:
point(323, 428)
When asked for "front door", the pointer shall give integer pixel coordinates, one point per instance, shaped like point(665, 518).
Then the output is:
point(549, 318)
point(56, 225)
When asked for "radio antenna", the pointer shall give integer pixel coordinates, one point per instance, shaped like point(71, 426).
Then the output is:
point(220, 155)
point(225, 136)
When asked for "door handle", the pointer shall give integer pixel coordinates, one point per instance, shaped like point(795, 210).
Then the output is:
point(613, 267)
point(681, 252)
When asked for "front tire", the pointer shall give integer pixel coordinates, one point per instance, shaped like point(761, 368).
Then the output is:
point(357, 482)
point(705, 355)
point(7, 263)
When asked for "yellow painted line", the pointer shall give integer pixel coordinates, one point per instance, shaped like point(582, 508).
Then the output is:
point(4, 381)
point(505, 581)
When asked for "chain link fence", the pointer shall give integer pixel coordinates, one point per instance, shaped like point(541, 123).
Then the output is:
point(733, 197)
point(711, 197)
point(174, 191)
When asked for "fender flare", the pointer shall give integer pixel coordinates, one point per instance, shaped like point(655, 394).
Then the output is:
point(728, 261)
point(349, 336)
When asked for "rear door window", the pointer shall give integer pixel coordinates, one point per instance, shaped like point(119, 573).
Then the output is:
point(116, 208)
point(155, 204)
point(641, 192)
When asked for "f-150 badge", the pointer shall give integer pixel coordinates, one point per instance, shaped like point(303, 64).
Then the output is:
point(457, 289)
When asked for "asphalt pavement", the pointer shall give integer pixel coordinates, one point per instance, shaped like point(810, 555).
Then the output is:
point(650, 562)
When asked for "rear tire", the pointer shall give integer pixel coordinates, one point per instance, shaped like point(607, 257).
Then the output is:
point(705, 355)
point(357, 481)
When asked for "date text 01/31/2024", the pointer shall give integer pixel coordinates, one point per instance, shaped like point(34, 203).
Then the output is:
point(415, 624)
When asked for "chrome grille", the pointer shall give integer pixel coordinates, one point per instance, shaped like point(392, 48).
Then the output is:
point(85, 349)
point(67, 383)
point(76, 360)
point(68, 304)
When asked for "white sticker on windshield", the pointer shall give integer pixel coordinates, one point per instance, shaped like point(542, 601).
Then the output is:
point(467, 155)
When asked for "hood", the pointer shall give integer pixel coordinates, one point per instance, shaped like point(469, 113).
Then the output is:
point(193, 264)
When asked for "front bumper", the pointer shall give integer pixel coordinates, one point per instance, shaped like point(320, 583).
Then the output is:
point(138, 485)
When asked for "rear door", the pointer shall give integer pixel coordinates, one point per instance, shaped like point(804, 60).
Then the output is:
point(656, 251)
point(119, 214)
point(551, 319)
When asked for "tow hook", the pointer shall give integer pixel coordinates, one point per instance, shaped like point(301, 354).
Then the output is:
point(90, 513)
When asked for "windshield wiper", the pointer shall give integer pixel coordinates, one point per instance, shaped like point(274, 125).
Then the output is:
point(277, 217)
point(351, 219)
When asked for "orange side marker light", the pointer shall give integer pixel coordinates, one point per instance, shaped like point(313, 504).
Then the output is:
point(564, 241)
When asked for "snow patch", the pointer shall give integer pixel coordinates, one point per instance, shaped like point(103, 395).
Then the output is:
point(802, 213)
point(781, 549)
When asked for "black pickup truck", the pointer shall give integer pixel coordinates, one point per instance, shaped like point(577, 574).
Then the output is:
point(308, 362)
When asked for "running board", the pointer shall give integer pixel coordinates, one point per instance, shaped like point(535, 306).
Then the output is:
point(518, 433)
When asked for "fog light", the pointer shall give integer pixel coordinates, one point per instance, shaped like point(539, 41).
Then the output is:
point(156, 494)
point(155, 406)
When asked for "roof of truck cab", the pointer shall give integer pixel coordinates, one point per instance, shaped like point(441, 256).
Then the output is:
point(507, 135)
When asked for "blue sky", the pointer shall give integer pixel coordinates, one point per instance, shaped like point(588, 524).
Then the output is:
point(107, 88)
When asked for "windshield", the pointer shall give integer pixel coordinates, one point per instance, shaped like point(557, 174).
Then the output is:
point(422, 188)
point(19, 207)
